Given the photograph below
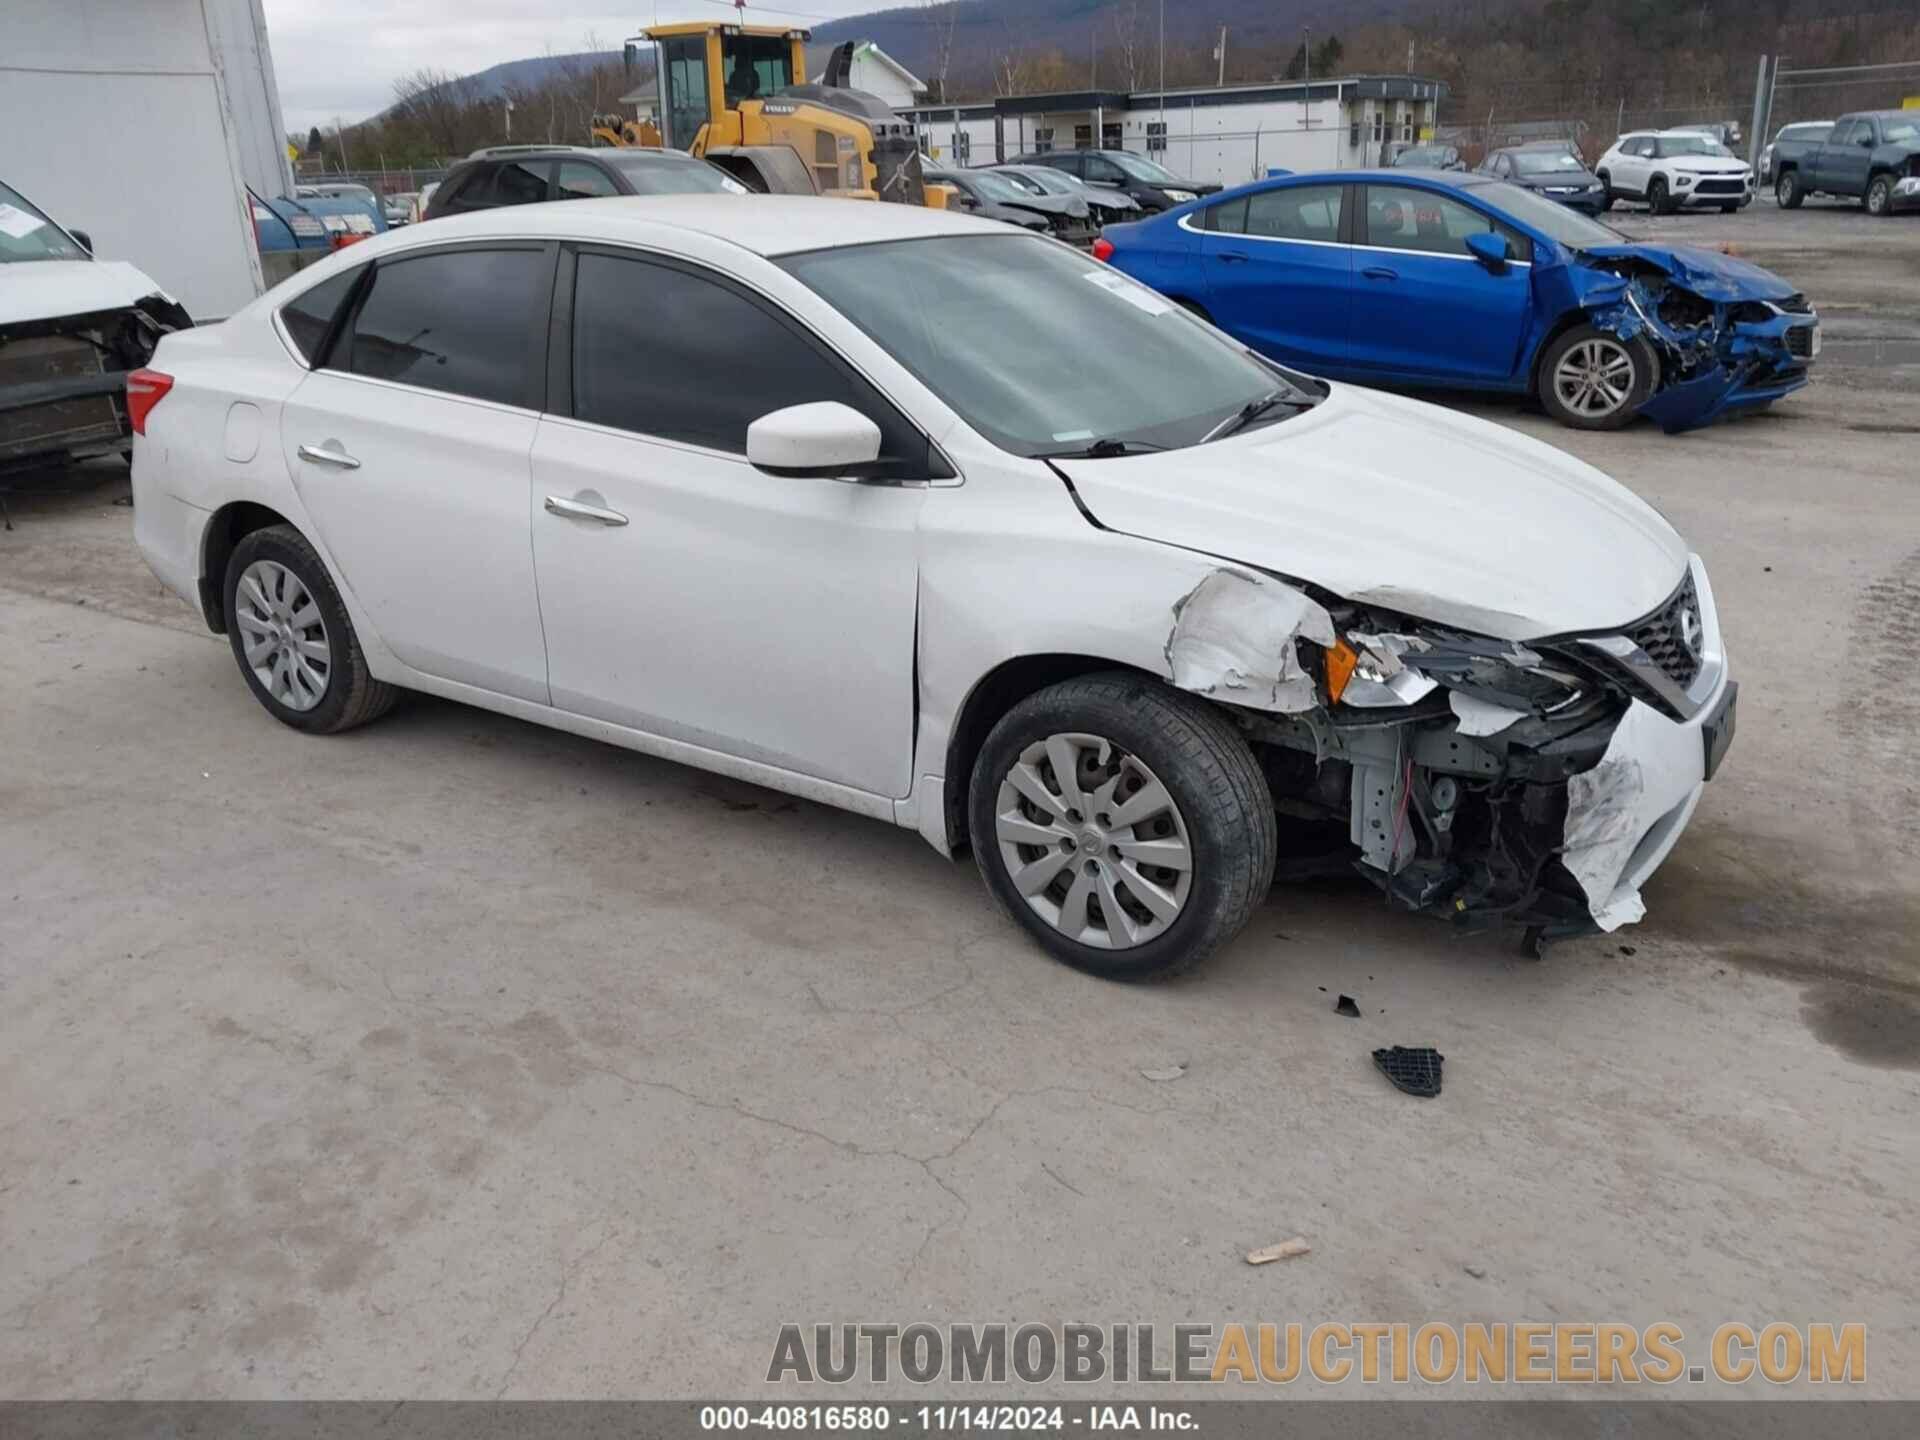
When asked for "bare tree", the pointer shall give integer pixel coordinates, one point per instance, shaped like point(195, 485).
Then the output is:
point(1125, 19)
point(943, 26)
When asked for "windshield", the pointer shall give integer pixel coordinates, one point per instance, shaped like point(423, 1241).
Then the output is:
point(1141, 169)
point(659, 175)
point(1549, 217)
point(1806, 132)
point(997, 187)
point(1545, 162)
point(1691, 145)
point(1902, 131)
point(1045, 181)
point(1042, 351)
point(1427, 156)
point(27, 234)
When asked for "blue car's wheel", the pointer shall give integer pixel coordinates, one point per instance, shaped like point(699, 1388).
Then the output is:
point(1591, 379)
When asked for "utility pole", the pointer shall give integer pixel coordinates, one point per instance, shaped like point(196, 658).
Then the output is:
point(1220, 54)
point(1163, 68)
point(1409, 56)
point(340, 135)
point(1306, 94)
point(506, 102)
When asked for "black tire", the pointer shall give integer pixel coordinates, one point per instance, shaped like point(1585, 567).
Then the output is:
point(1192, 308)
point(1646, 371)
point(351, 695)
point(1729, 209)
point(1879, 197)
point(1787, 193)
point(1207, 768)
point(1659, 201)
point(1606, 193)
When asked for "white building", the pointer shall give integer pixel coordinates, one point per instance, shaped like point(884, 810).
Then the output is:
point(142, 122)
point(874, 71)
point(1228, 134)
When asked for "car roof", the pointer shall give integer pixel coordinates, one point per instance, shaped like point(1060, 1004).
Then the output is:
point(763, 224)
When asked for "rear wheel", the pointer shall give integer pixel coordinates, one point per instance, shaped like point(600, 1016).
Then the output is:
point(1606, 193)
point(1123, 824)
point(1787, 192)
point(1729, 209)
point(1593, 380)
point(1879, 201)
point(292, 638)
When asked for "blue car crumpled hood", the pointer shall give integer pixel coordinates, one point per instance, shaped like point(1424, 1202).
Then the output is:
point(1710, 274)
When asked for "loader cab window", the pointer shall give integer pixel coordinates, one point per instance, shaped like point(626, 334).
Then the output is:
point(756, 66)
point(685, 62)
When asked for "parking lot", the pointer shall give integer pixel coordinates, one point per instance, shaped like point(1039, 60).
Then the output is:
point(456, 1057)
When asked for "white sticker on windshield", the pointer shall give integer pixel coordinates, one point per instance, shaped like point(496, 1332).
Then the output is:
point(1135, 295)
point(16, 223)
point(1073, 435)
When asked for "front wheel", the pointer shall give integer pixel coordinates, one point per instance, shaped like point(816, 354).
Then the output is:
point(1879, 200)
point(292, 638)
point(1593, 380)
point(1787, 192)
point(1657, 199)
point(1124, 824)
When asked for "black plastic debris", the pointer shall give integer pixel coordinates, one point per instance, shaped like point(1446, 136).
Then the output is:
point(1416, 1071)
point(1345, 1006)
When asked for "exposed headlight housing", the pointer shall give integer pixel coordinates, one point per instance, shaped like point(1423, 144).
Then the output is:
point(1180, 196)
point(1387, 667)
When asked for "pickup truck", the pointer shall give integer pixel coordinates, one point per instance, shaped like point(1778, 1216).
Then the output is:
point(1872, 156)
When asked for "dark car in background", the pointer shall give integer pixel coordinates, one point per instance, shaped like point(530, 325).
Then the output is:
point(1549, 168)
point(1104, 206)
point(527, 174)
point(1429, 157)
point(1792, 142)
point(1872, 156)
point(1153, 186)
point(995, 197)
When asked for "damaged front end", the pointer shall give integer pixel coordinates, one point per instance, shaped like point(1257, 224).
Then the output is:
point(1727, 335)
point(1487, 781)
point(63, 379)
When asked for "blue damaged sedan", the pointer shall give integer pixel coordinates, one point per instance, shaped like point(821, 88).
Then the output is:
point(1430, 278)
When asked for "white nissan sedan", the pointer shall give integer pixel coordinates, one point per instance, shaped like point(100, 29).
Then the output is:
point(948, 525)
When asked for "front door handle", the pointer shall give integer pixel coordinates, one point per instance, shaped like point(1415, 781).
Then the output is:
point(329, 453)
point(1233, 257)
point(1380, 272)
point(581, 510)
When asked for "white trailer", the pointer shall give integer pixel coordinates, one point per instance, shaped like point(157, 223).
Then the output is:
point(143, 123)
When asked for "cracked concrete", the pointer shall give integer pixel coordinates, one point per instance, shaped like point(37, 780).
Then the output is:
point(454, 1058)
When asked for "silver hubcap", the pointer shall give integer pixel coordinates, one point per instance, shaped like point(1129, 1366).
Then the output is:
point(1594, 378)
point(1093, 841)
point(282, 635)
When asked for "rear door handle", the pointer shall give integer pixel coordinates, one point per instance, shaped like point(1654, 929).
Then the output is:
point(1380, 272)
point(581, 510)
point(1233, 257)
point(329, 453)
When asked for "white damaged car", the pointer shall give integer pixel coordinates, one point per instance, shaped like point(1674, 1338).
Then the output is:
point(942, 523)
point(71, 328)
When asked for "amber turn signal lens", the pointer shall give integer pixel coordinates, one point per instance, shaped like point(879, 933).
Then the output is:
point(1341, 660)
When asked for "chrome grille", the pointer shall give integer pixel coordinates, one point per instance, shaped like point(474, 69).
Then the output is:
point(1663, 636)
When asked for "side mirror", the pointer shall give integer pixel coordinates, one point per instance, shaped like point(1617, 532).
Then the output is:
point(1490, 250)
point(824, 439)
point(1865, 142)
point(86, 240)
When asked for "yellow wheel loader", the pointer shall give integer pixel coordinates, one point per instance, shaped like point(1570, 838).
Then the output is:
point(616, 132)
point(737, 95)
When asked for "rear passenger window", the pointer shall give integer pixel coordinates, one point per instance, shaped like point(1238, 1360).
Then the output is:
point(665, 353)
point(308, 317)
point(1230, 218)
point(1299, 212)
point(581, 181)
point(520, 182)
point(469, 322)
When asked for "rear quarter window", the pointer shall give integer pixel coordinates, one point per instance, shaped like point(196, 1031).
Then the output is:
point(309, 317)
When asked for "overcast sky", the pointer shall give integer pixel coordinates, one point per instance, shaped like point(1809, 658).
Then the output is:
point(341, 57)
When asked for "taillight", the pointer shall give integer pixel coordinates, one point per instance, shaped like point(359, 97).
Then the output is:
point(1103, 249)
point(344, 238)
point(145, 389)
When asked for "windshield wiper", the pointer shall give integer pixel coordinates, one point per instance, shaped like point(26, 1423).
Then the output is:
point(1106, 448)
point(1248, 413)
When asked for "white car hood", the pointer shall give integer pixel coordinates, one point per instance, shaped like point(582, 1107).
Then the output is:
point(51, 289)
point(1407, 506)
point(1705, 164)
